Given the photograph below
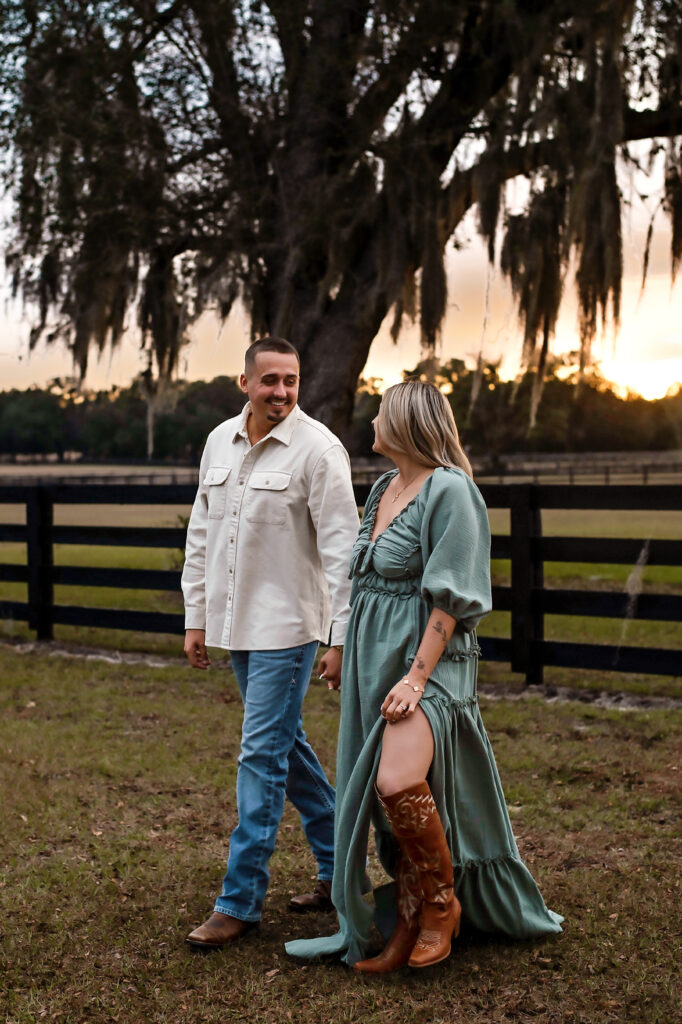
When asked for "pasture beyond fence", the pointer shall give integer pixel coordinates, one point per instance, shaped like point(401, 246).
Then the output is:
point(564, 467)
point(526, 598)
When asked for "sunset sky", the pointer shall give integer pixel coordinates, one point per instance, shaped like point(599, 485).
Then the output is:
point(645, 356)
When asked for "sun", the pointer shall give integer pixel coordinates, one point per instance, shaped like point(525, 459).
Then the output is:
point(651, 380)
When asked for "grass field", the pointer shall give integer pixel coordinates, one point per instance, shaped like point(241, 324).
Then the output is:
point(118, 794)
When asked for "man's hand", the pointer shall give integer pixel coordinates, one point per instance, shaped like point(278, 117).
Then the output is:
point(330, 668)
point(195, 648)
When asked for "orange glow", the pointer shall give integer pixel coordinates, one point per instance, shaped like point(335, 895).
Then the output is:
point(650, 380)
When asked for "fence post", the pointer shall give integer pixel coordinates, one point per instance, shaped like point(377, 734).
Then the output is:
point(527, 621)
point(39, 519)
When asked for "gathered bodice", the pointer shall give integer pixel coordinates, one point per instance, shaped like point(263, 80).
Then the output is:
point(396, 553)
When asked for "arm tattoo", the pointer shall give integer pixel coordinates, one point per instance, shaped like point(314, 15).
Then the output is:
point(440, 629)
point(420, 663)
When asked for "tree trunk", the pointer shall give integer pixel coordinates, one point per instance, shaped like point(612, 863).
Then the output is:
point(150, 418)
point(334, 342)
point(330, 368)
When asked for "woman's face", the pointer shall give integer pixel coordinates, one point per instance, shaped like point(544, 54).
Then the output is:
point(377, 446)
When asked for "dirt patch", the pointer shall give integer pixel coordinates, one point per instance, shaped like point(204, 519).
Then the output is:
point(617, 700)
point(57, 650)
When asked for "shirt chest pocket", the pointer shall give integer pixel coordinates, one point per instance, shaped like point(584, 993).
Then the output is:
point(215, 483)
point(267, 497)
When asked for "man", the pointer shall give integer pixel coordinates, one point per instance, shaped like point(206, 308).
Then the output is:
point(266, 576)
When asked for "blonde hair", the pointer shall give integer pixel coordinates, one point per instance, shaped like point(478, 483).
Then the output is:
point(415, 419)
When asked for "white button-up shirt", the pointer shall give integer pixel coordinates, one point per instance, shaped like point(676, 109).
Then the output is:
point(270, 536)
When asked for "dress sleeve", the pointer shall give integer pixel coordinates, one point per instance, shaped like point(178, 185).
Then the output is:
point(455, 539)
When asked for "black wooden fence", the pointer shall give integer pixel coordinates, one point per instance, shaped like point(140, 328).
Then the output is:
point(525, 547)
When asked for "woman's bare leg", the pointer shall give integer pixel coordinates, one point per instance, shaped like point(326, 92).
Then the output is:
point(406, 754)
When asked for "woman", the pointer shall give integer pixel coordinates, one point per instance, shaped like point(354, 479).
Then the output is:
point(413, 755)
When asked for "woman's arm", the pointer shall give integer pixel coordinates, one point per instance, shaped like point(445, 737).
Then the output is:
point(438, 631)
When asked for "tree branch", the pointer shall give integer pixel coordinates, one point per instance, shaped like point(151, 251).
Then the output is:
point(420, 36)
point(195, 155)
point(324, 89)
point(216, 25)
point(485, 63)
point(289, 18)
point(461, 193)
point(157, 26)
point(666, 122)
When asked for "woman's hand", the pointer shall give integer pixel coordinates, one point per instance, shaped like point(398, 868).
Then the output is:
point(401, 702)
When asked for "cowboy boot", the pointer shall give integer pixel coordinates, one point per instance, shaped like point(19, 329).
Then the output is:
point(417, 827)
point(320, 899)
point(397, 950)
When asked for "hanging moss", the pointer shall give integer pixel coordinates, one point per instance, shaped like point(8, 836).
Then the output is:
point(533, 257)
point(315, 161)
point(673, 202)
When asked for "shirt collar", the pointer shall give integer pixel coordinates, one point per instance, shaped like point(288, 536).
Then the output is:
point(282, 432)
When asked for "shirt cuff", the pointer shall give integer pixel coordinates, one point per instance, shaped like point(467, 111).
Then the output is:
point(337, 634)
point(195, 618)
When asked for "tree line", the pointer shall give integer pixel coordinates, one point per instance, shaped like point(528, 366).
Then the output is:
point(492, 415)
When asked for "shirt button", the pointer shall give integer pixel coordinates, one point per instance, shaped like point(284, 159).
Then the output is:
point(231, 540)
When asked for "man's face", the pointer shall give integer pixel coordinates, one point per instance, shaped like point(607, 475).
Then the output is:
point(272, 387)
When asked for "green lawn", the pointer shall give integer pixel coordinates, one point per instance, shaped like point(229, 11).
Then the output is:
point(118, 794)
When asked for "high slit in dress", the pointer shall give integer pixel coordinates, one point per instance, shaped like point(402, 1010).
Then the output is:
point(434, 554)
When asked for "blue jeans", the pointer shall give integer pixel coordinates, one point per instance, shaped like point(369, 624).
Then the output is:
point(275, 760)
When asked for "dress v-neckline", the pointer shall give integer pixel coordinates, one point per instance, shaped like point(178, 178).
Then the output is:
point(372, 539)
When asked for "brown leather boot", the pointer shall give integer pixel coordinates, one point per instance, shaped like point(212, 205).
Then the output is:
point(397, 950)
point(418, 828)
point(320, 899)
point(218, 931)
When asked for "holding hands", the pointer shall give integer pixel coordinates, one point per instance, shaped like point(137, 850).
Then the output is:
point(329, 668)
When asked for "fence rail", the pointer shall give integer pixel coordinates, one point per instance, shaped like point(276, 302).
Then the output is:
point(606, 466)
point(526, 598)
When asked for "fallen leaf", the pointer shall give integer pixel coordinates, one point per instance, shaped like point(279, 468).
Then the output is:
point(272, 973)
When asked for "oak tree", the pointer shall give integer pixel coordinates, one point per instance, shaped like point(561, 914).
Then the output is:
point(314, 158)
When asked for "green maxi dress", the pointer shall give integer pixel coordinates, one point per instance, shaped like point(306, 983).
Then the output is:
point(435, 553)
